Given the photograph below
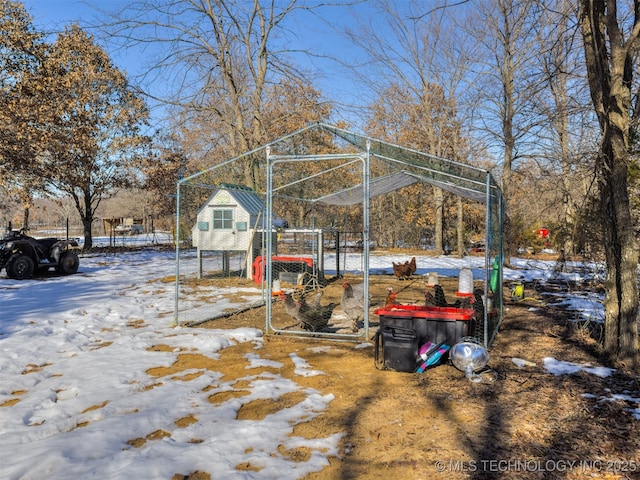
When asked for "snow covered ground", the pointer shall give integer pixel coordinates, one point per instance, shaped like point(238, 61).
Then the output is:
point(74, 387)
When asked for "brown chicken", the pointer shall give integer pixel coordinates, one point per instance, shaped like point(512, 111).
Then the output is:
point(413, 265)
point(391, 297)
point(404, 271)
point(400, 270)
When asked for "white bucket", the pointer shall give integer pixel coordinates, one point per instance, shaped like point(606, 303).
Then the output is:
point(465, 281)
point(276, 286)
point(432, 279)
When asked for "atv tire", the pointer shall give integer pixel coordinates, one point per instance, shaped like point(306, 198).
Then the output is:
point(69, 263)
point(20, 266)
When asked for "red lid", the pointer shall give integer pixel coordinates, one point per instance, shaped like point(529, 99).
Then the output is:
point(417, 311)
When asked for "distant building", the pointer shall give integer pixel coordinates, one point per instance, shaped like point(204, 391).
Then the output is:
point(123, 225)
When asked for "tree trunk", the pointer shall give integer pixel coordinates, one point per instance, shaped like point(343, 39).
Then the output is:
point(86, 211)
point(25, 217)
point(507, 228)
point(610, 65)
point(88, 237)
point(87, 221)
point(621, 284)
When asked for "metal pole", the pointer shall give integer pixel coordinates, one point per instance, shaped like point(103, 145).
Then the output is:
point(488, 248)
point(268, 240)
point(338, 253)
point(177, 240)
point(500, 213)
point(365, 207)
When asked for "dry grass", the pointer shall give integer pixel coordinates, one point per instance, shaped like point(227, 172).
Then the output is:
point(401, 425)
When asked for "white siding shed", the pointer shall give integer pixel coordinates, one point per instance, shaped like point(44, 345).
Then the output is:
point(227, 221)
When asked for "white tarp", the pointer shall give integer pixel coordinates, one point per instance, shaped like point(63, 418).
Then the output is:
point(391, 183)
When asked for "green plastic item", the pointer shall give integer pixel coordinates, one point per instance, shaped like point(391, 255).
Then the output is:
point(495, 272)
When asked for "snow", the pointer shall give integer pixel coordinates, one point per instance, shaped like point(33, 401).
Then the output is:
point(75, 389)
point(558, 367)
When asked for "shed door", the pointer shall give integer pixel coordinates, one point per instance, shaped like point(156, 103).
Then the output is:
point(222, 224)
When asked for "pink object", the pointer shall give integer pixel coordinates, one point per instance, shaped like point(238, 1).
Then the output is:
point(425, 350)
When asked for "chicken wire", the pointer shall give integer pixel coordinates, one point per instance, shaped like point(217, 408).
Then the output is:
point(308, 187)
point(322, 174)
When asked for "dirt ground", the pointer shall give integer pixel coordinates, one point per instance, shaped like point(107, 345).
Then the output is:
point(527, 424)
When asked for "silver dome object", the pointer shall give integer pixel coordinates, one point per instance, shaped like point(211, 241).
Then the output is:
point(469, 356)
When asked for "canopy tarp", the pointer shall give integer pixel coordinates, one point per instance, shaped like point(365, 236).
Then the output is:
point(410, 166)
point(392, 182)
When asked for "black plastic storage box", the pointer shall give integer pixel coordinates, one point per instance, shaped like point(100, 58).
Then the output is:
point(431, 324)
point(399, 348)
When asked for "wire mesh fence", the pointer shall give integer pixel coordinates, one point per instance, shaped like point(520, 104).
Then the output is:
point(101, 237)
point(306, 216)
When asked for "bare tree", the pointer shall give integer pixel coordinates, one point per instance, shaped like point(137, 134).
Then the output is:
point(563, 169)
point(416, 49)
point(427, 122)
point(221, 55)
point(503, 29)
point(611, 41)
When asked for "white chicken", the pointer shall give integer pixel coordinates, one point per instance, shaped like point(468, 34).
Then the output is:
point(353, 304)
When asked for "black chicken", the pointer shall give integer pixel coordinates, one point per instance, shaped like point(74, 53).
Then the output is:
point(478, 303)
point(312, 316)
point(315, 316)
point(438, 299)
point(290, 305)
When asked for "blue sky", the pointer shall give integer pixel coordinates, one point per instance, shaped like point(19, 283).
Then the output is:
point(51, 16)
point(306, 30)
point(57, 13)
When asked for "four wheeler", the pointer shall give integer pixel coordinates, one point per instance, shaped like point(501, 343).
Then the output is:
point(22, 255)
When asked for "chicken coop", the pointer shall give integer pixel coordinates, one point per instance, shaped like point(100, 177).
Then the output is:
point(322, 192)
point(225, 228)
